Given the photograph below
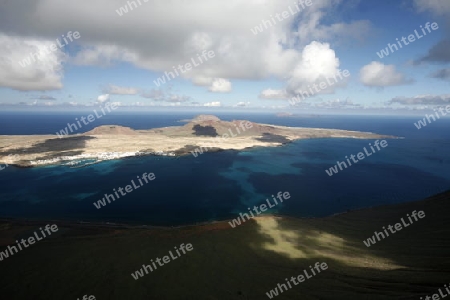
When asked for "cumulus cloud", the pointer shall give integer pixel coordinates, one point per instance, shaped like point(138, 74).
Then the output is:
point(438, 53)
point(273, 94)
point(108, 38)
point(165, 96)
point(440, 9)
point(154, 94)
point(337, 103)
point(443, 74)
point(437, 7)
point(377, 74)
point(202, 80)
point(119, 90)
point(242, 104)
point(317, 63)
point(217, 103)
point(178, 98)
point(422, 100)
point(220, 85)
point(21, 70)
point(45, 97)
point(103, 98)
point(102, 55)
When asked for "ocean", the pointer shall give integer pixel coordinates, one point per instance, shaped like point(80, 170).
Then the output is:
point(218, 186)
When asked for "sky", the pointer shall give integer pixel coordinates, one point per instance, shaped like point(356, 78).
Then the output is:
point(283, 55)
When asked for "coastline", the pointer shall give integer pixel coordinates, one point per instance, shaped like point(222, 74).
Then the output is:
point(109, 142)
point(100, 148)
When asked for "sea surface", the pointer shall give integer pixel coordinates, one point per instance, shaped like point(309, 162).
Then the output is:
point(217, 186)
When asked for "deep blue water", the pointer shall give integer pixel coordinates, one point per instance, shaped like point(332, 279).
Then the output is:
point(217, 186)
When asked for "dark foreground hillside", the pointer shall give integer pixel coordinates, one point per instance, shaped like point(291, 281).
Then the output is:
point(237, 263)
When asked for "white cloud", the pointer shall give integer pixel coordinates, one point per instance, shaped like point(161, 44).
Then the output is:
point(165, 95)
point(178, 98)
point(103, 98)
point(171, 38)
point(220, 85)
point(422, 100)
point(119, 90)
point(217, 103)
point(337, 103)
point(379, 75)
point(41, 72)
point(102, 55)
point(440, 9)
point(242, 104)
point(443, 74)
point(273, 94)
point(202, 80)
point(154, 94)
point(316, 63)
point(437, 7)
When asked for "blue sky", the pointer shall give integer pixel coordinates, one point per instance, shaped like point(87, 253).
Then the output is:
point(117, 57)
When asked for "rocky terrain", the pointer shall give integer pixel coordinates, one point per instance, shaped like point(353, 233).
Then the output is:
point(237, 263)
point(114, 142)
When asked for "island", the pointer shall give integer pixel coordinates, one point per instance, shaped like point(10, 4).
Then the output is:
point(201, 134)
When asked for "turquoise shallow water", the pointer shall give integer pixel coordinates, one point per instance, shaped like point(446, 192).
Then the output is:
point(217, 186)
